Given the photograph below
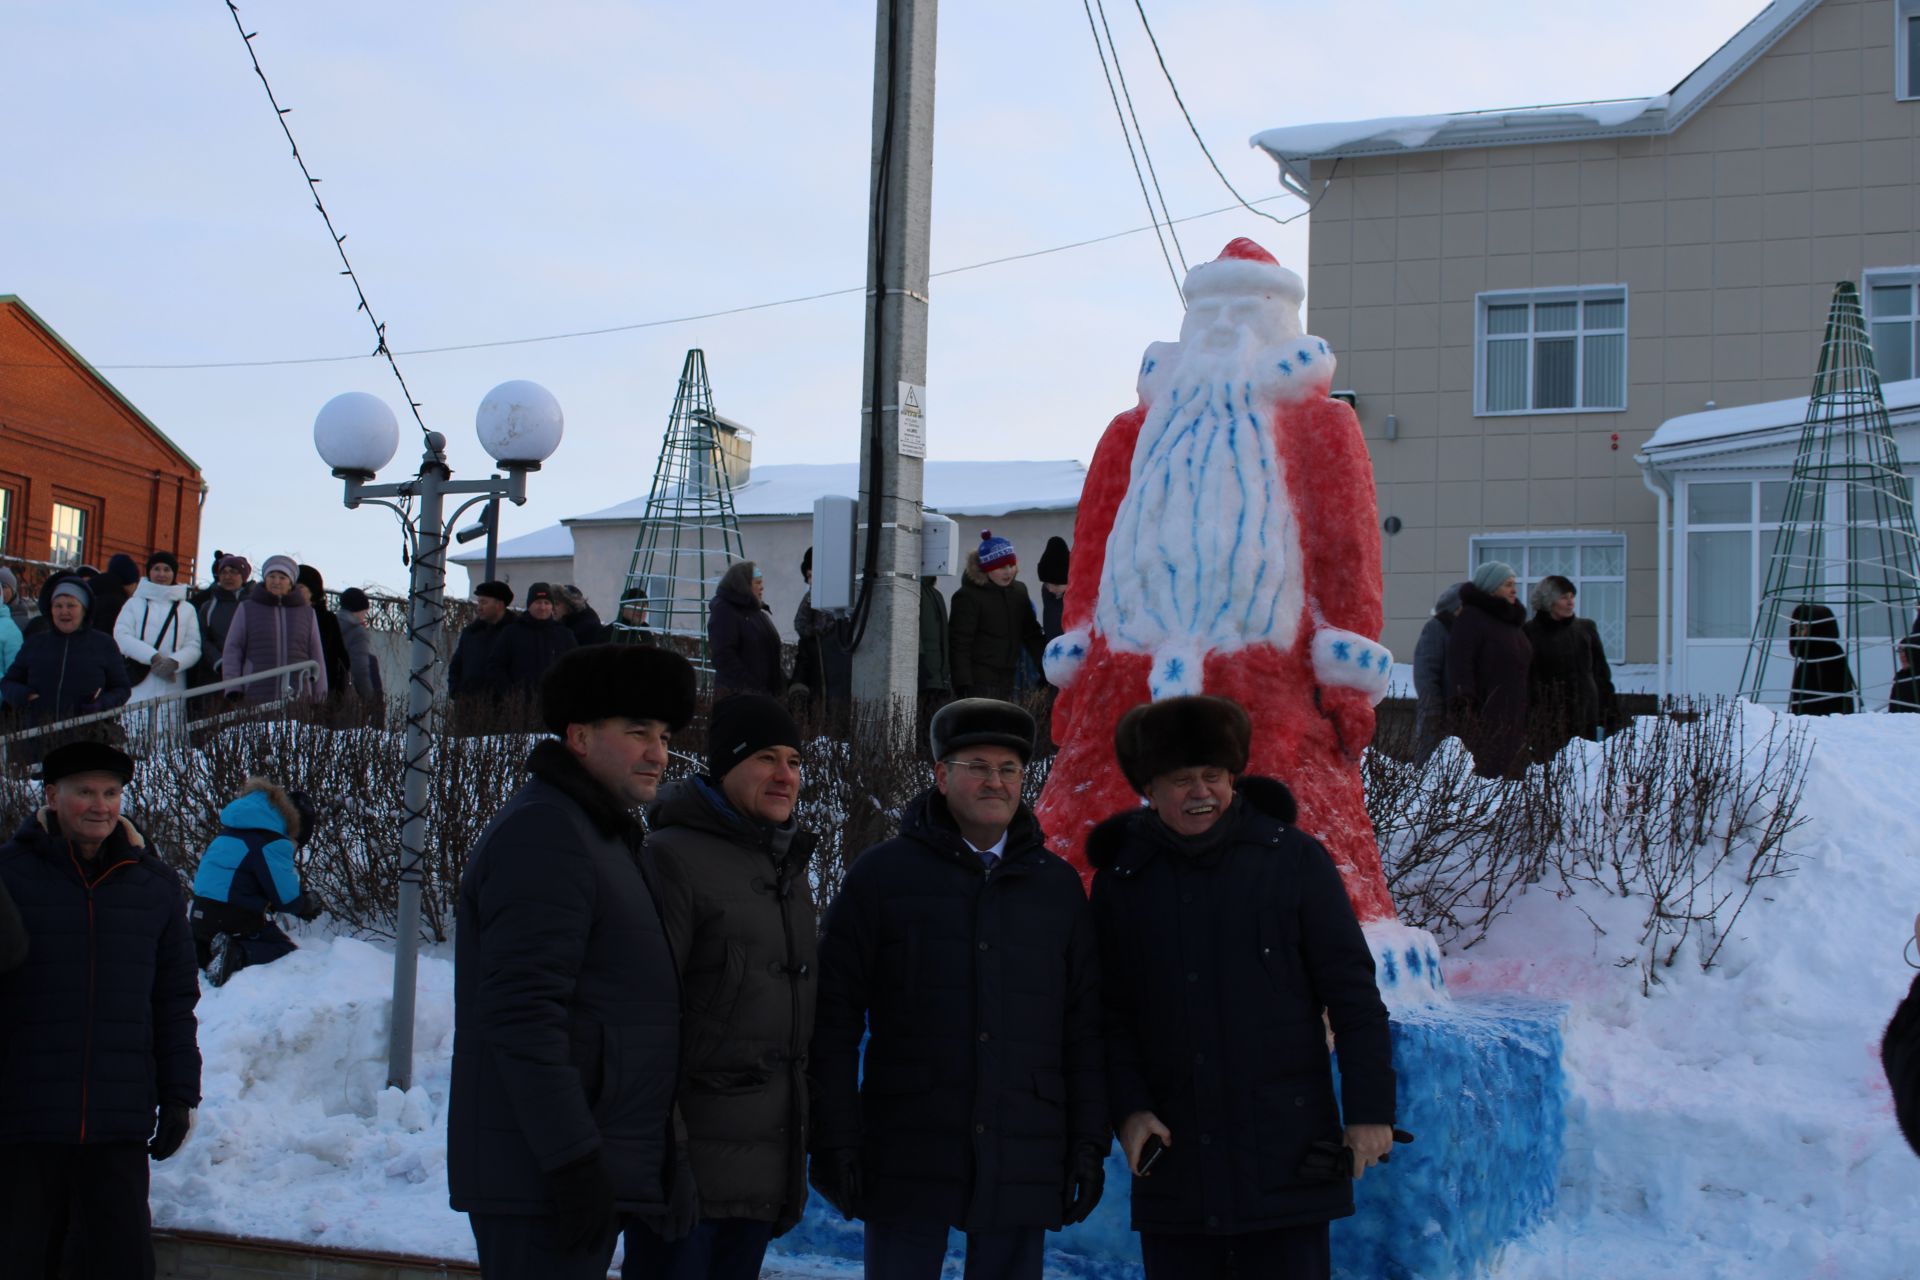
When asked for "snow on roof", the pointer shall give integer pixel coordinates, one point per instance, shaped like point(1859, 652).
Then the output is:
point(555, 542)
point(1619, 117)
point(965, 488)
point(1729, 425)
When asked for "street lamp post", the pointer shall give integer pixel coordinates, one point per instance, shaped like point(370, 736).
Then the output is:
point(519, 424)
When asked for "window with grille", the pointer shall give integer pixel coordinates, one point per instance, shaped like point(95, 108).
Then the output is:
point(69, 541)
point(1552, 351)
point(1596, 564)
point(1889, 294)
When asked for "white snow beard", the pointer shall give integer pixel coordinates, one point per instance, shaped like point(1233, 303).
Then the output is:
point(1205, 551)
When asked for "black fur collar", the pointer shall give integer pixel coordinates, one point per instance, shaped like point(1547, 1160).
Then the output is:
point(1268, 796)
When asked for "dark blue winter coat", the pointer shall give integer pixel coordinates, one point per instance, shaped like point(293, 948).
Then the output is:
point(566, 1007)
point(61, 674)
point(741, 638)
point(530, 646)
point(249, 868)
point(1219, 955)
point(98, 1023)
point(983, 1070)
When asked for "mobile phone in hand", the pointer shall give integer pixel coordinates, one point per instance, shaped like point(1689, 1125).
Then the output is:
point(1150, 1152)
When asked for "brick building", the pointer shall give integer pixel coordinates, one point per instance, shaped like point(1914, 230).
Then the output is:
point(83, 473)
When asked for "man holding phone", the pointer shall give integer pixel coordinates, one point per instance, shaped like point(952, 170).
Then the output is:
point(1225, 933)
point(966, 951)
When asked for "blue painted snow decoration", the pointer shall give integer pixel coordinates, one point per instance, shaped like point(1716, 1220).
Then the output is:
point(1482, 1089)
point(1286, 367)
point(1342, 650)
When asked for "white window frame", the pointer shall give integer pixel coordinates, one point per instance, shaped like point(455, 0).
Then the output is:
point(64, 547)
point(1884, 277)
point(1578, 294)
point(1905, 14)
point(1561, 537)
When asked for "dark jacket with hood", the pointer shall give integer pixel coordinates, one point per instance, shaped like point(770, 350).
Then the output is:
point(109, 597)
point(1900, 1055)
point(1488, 657)
point(333, 645)
point(1569, 686)
point(1822, 683)
point(983, 1070)
point(566, 1008)
point(1219, 954)
point(1430, 673)
point(529, 646)
point(734, 898)
point(61, 674)
point(583, 622)
point(741, 638)
point(271, 631)
point(990, 627)
point(99, 1020)
point(936, 653)
point(248, 870)
point(216, 607)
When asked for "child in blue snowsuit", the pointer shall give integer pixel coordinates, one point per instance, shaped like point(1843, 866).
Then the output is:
point(246, 875)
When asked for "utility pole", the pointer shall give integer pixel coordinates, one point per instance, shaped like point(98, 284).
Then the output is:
point(886, 663)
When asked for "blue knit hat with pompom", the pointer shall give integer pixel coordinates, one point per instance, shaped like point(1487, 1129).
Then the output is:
point(995, 552)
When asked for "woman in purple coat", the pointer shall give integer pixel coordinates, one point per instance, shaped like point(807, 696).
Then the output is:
point(272, 629)
point(1488, 659)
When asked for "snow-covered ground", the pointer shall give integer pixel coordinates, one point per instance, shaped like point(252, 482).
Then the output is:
point(1734, 1123)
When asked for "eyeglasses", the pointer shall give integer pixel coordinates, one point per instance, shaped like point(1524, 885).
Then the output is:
point(983, 772)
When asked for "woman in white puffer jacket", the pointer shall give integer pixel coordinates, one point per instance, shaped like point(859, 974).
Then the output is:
point(159, 629)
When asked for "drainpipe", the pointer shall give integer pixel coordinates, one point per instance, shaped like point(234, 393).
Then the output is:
point(1662, 490)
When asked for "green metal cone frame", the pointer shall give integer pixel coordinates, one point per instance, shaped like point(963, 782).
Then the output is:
point(1845, 554)
point(689, 535)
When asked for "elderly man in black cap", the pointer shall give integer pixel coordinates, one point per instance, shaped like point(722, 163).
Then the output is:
point(728, 866)
point(102, 1068)
point(967, 950)
point(477, 675)
point(566, 1004)
point(1225, 932)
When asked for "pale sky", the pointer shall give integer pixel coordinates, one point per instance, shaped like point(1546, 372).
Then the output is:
point(506, 170)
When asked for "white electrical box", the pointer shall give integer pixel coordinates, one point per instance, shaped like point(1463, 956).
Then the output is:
point(833, 528)
point(939, 546)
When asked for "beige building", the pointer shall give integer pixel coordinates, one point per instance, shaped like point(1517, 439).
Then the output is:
point(1522, 299)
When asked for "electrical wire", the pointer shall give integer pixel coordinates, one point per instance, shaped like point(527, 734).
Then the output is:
point(1195, 129)
point(1138, 176)
point(339, 240)
point(1120, 73)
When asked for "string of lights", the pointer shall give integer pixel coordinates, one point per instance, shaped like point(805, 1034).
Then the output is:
point(339, 240)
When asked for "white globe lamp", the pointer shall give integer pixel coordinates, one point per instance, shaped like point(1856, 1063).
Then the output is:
point(519, 424)
point(356, 434)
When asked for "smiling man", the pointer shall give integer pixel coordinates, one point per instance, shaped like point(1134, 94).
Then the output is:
point(566, 1004)
point(1225, 932)
point(728, 865)
point(966, 949)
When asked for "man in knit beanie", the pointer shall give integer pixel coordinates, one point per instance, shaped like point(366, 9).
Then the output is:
point(1055, 562)
point(728, 867)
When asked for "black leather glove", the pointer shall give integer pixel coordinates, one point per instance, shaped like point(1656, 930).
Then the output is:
point(310, 907)
point(1086, 1179)
point(171, 1130)
point(835, 1174)
point(582, 1203)
point(683, 1201)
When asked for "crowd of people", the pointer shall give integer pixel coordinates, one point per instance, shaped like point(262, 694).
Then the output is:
point(652, 1040)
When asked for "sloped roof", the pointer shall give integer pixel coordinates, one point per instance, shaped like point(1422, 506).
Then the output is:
point(1749, 426)
point(964, 488)
point(1294, 147)
point(15, 301)
point(555, 542)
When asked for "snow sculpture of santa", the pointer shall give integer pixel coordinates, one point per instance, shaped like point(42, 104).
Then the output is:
point(1227, 542)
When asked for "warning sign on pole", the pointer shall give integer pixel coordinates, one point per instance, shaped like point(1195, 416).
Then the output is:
point(913, 420)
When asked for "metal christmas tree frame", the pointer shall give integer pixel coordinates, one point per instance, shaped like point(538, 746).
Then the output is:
point(1847, 539)
point(689, 535)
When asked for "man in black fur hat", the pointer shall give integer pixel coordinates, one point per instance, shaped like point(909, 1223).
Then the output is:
point(1225, 933)
point(969, 951)
point(566, 1004)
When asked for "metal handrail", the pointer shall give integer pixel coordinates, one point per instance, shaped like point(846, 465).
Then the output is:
point(310, 667)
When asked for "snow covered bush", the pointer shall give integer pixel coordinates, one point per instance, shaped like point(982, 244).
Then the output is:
point(1686, 813)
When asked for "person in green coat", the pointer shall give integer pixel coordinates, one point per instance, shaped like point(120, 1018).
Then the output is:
point(992, 623)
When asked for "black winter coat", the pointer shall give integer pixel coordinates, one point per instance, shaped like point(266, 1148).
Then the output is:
point(478, 671)
point(99, 1021)
point(990, 628)
point(1900, 1055)
point(983, 1067)
point(586, 627)
point(333, 651)
point(739, 916)
point(1488, 657)
point(1219, 955)
point(13, 933)
point(109, 597)
point(216, 609)
point(1569, 687)
point(529, 646)
point(1822, 683)
point(936, 655)
point(60, 674)
point(566, 1008)
point(742, 640)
